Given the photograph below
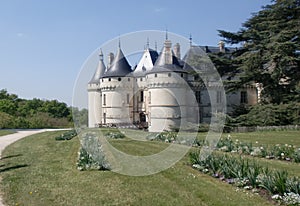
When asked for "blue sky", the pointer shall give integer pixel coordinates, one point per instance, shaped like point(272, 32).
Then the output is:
point(43, 44)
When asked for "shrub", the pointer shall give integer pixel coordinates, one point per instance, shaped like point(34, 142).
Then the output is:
point(67, 135)
point(91, 155)
point(115, 135)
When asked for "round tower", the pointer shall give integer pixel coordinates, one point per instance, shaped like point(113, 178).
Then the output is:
point(94, 95)
point(117, 92)
point(168, 92)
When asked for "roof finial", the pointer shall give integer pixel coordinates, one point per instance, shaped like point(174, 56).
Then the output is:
point(166, 33)
point(190, 40)
point(100, 54)
point(119, 42)
point(155, 45)
point(148, 43)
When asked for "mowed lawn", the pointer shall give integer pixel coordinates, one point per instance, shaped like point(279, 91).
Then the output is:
point(38, 170)
point(5, 132)
point(290, 137)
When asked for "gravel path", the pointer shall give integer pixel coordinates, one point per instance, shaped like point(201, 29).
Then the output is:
point(11, 138)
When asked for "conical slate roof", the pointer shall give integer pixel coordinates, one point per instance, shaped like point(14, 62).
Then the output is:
point(162, 66)
point(99, 71)
point(119, 67)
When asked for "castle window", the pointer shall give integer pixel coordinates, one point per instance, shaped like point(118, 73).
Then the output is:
point(181, 75)
point(129, 79)
point(119, 79)
point(128, 99)
point(102, 80)
point(155, 75)
point(198, 96)
point(149, 97)
point(169, 75)
point(142, 96)
point(104, 99)
point(219, 96)
point(141, 79)
point(109, 79)
point(244, 99)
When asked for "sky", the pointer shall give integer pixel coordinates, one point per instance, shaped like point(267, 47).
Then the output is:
point(44, 44)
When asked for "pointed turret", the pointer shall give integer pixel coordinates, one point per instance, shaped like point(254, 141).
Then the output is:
point(119, 67)
point(99, 71)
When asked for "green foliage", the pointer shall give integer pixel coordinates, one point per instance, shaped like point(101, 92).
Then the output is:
point(67, 135)
point(270, 40)
point(245, 173)
point(115, 135)
point(35, 113)
point(266, 115)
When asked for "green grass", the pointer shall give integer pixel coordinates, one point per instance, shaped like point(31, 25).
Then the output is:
point(38, 170)
point(291, 137)
point(6, 132)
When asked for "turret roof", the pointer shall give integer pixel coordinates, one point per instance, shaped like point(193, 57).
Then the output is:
point(119, 67)
point(99, 71)
point(162, 66)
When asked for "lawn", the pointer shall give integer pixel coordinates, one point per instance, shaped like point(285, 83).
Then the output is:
point(290, 137)
point(38, 170)
point(5, 132)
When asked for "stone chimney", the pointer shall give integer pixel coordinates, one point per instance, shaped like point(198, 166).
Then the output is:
point(177, 50)
point(168, 52)
point(221, 46)
point(111, 57)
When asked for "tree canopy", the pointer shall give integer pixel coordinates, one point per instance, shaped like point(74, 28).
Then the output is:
point(270, 52)
point(35, 113)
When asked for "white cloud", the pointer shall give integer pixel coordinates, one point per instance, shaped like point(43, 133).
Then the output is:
point(20, 34)
point(157, 10)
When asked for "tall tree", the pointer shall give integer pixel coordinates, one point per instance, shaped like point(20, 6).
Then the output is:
point(271, 51)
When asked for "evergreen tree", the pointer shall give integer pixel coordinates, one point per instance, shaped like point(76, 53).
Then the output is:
point(270, 54)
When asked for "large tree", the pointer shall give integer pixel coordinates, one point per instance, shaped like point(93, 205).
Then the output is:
point(270, 52)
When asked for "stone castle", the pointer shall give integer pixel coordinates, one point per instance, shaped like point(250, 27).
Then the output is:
point(162, 91)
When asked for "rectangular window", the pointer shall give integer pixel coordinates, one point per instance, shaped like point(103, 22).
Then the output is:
point(244, 99)
point(104, 118)
point(104, 99)
point(149, 97)
point(219, 96)
point(128, 99)
point(142, 96)
point(198, 96)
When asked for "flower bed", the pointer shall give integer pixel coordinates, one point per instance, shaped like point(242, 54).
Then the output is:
point(250, 175)
point(281, 152)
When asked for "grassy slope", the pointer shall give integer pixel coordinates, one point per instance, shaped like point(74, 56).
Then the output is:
point(38, 170)
point(5, 132)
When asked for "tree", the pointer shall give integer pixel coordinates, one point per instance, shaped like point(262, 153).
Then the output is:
point(271, 52)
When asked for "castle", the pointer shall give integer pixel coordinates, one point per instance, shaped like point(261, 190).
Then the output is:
point(162, 91)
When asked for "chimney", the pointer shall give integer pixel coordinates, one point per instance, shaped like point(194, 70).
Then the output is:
point(111, 57)
point(221, 46)
point(168, 52)
point(177, 50)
